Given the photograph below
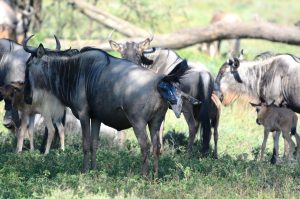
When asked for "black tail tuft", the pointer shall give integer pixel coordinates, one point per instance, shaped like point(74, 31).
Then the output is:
point(206, 87)
point(294, 130)
point(177, 72)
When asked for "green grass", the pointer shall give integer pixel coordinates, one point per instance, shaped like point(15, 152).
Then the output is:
point(236, 174)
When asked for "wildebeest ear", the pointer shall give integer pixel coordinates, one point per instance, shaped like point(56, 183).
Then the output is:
point(144, 44)
point(236, 62)
point(115, 46)
point(40, 51)
point(254, 105)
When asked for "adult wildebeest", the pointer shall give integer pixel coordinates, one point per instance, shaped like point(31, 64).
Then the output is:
point(273, 79)
point(12, 72)
point(196, 81)
point(214, 48)
point(276, 120)
point(99, 89)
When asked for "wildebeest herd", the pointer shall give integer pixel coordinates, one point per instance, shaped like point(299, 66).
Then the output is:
point(137, 89)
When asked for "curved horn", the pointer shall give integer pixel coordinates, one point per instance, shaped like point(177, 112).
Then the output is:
point(26, 48)
point(241, 56)
point(58, 46)
point(151, 36)
point(110, 34)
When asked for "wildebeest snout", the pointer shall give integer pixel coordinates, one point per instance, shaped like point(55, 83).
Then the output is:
point(8, 120)
point(258, 121)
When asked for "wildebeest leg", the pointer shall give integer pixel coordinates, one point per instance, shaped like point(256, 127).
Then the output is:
point(298, 146)
point(86, 137)
point(263, 145)
point(139, 129)
point(51, 132)
point(216, 137)
point(95, 130)
point(274, 158)
point(61, 132)
point(193, 127)
point(161, 134)
point(290, 143)
point(21, 132)
point(154, 127)
point(30, 131)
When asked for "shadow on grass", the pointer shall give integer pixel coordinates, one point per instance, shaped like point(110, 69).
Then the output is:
point(28, 174)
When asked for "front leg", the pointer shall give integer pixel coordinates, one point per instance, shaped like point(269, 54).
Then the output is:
point(21, 131)
point(274, 158)
point(263, 146)
point(86, 141)
point(95, 130)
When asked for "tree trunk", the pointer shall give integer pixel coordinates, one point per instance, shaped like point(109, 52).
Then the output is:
point(192, 36)
point(108, 20)
point(37, 18)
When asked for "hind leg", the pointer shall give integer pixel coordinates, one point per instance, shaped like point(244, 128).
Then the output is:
point(161, 134)
point(216, 138)
point(61, 132)
point(290, 144)
point(154, 127)
point(193, 127)
point(298, 146)
point(30, 131)
point(139, 129)
point(51, 132)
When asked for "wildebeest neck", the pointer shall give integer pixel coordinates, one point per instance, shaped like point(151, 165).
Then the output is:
point(163, 60)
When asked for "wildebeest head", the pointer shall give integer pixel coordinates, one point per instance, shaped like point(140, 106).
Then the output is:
point(36, 59)
point(228, 75)
point(261, 110)
point(13, 92)
point(36, 54)
point(132, 51)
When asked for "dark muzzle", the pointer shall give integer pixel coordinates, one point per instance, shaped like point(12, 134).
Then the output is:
point(8, 122)
point(258, 121)
point(11, 119)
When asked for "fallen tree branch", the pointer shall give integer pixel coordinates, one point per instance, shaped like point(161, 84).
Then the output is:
point(109, 20)
point(191, 36)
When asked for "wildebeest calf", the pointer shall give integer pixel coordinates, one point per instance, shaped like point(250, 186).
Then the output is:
point(276, 119)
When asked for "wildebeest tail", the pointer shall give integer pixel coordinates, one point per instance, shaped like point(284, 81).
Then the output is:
point(176, 73)
point(206, 85)
point(294, 130)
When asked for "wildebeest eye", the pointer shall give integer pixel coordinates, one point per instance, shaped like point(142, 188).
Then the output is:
point(257, 110)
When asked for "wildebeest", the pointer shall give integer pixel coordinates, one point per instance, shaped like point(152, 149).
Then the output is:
point(214, 48)
point(12, 72)
point(269, 79)
point(196, 81)
point(274, 78)
point(276, 120)
point(99, 88)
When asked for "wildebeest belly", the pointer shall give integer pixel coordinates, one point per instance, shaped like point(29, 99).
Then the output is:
point(114, 118)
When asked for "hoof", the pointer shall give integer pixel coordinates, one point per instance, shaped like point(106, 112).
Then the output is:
point(273, 160)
